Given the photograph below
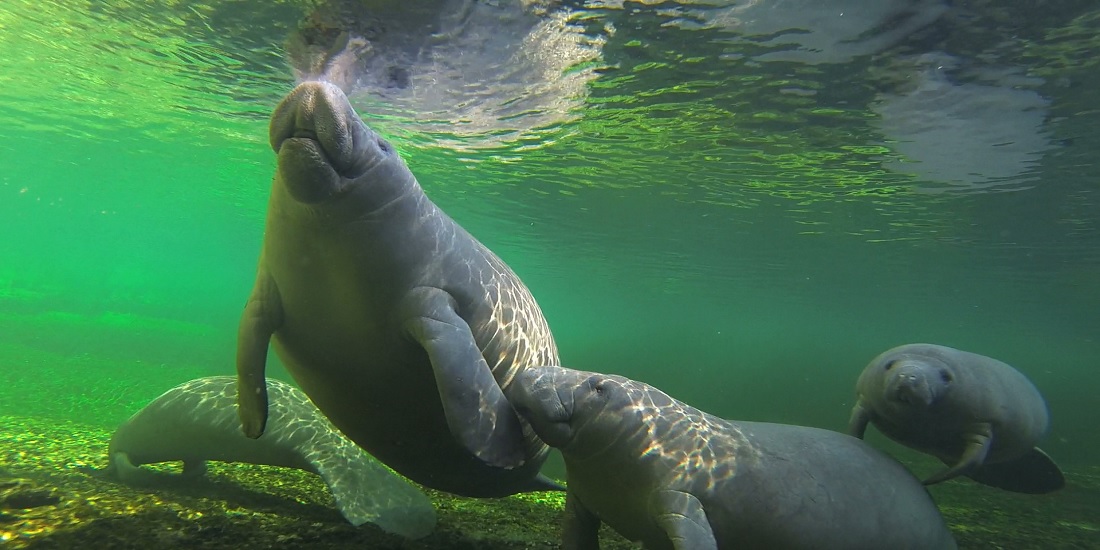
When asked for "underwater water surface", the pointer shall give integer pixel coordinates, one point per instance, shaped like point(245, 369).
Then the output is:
point(741, 203)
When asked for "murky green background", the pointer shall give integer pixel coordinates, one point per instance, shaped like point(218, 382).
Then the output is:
point(736, 232)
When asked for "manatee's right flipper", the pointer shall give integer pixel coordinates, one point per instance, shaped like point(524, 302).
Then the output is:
point(1034, 473)
point(979, 438)
point(857, 423)
point(683, 519)
point(478, 414)
point(580, 528)
point(263, 314)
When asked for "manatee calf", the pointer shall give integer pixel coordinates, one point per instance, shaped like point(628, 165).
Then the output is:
point(978, 415)
point(197, 421)
point(669, 475)
point(398, 324)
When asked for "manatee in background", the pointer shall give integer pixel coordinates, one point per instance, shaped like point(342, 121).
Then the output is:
point(671, 476)
point(978, 415)
point(197, 421)
point(399, 325)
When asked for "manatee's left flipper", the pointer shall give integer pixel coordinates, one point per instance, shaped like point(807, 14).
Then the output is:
point(478, 414)
point(580, 528)
point(1034, 473)
point(683, 519)
point(857, 423)
point(132, 474)
point(126, 471)
point(979, 437)
point(263, 314)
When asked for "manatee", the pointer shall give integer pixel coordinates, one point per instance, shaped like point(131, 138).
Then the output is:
point(978, 415)
point(197, 421)
point(671, 476)
point(401, 327)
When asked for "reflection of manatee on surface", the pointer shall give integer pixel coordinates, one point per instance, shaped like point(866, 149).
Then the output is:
point(459, 67)
point(197, 421)
point(662, 472)
point(805, 31)
point(964, 136)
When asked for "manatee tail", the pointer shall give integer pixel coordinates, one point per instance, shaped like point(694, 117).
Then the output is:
point(367, 491)
point(1034, 473)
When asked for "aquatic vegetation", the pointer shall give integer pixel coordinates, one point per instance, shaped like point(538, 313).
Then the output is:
point(52, 464)
point(234, 506)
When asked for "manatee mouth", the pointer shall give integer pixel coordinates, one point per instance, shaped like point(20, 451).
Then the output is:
point(320, 140)
point(536, 398)
point(912, 390)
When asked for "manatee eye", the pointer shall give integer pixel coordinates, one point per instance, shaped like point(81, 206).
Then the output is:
point(889, 364)
point(384, 146)
point(598, 385)
point(946, 376)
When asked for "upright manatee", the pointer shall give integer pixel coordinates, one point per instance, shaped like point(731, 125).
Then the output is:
point(980, 416)
point(398, 324)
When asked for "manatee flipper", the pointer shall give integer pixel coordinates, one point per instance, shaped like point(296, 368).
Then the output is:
point(263, 314)
point(684, 520)
point(543, 483)
point(367, 491)
point(580, 528)
point(1034, 473)
point(857, 423)
point(194, 468)
point(126, 471)
point(478, 414)
point(978, 440)
point(132, 474)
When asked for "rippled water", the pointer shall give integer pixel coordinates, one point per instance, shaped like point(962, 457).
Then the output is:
point(740, 202)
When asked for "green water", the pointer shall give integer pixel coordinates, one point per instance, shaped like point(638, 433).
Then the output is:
point(744, 234)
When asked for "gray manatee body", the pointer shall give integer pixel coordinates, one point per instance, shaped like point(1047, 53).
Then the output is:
point(197, 421)
point(978, 415)
point(398, 324)
point(659, 471)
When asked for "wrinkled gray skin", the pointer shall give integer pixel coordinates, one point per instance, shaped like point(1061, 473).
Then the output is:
point(978, 415)
point(397, 323)
point(197, 421)
point(671, 476)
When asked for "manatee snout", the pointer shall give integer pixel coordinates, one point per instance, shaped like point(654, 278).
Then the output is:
point(538, 394)
point(913, 386)
point(321, 142)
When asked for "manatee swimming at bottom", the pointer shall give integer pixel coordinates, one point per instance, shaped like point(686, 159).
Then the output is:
point(671, 476)
point(978, 415)
point(197, 421)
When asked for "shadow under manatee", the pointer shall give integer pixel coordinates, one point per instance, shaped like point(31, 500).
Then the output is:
point(239, 486)
point(244, 505)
